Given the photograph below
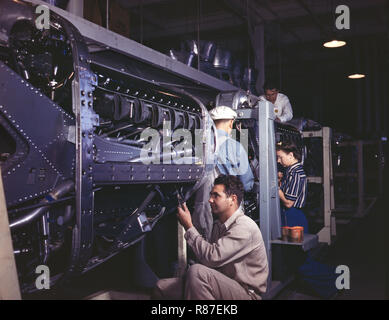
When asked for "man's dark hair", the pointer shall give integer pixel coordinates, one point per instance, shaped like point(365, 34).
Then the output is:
point(288, 147)
point(270, 85)
point(232, 185)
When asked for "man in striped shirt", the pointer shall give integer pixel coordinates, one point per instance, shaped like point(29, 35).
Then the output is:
point(293, 189)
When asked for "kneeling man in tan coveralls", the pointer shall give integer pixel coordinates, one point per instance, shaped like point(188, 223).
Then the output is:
point(234, 262)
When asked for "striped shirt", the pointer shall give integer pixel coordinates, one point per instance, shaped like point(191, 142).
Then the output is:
point(294, 185)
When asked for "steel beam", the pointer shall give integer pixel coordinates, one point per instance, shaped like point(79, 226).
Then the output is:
point(268, 200)
point(314, 17)
point(132, 48)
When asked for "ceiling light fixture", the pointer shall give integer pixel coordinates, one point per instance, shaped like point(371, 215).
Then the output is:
point(334, 44)
point(356, 76)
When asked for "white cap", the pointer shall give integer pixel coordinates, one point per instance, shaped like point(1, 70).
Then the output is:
point(222, 112)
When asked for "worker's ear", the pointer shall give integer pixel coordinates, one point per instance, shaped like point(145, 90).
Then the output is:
point(234, 198)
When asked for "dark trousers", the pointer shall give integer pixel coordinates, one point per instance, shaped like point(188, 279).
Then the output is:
point(294, 217)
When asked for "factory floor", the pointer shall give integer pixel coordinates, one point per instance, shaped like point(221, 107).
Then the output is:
point(362, 245)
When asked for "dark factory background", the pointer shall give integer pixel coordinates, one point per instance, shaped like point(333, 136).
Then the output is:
point(314, 77)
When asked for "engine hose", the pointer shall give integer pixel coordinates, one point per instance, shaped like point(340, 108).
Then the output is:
point(57, 193)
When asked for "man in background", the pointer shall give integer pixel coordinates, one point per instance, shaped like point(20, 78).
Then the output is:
point(282, 106)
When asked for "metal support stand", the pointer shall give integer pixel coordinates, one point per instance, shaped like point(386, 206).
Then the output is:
point(268, 200)
point(365, 203)
point(258, 43)
point(76, 7)
point(329, 229)
point(267, 196)
point(9, 282)
point(361, 179)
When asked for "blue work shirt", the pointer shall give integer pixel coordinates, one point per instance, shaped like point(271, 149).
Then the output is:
point(232, 160)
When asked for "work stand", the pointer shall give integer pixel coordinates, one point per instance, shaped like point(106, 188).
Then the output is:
point(328, 231)
point(268, 199)
point(361, 175)
point(269, 203)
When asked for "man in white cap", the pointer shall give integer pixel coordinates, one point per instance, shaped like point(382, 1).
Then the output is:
point(231, 159)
